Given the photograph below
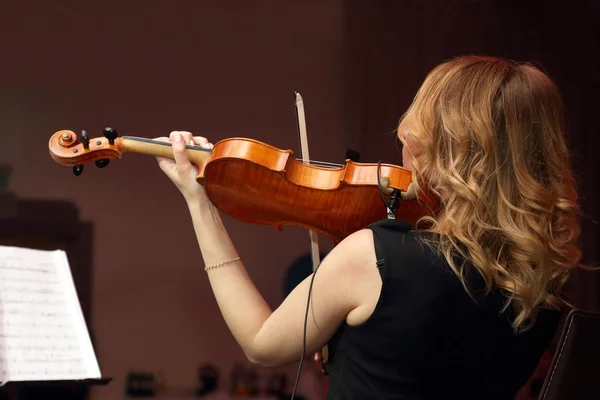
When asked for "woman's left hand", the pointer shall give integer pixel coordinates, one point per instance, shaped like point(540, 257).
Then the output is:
point(180, 170)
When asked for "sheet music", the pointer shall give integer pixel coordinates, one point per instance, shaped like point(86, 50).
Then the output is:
point(43, 335)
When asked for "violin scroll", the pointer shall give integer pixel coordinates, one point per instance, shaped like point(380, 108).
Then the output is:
point(66, 148)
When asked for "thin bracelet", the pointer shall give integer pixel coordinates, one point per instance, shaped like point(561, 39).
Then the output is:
point(221, 264)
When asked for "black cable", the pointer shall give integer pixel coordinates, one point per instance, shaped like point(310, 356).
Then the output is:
point(310, 291)
point(304, 334)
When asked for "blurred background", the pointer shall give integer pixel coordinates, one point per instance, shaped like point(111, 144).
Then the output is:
point(230, 68)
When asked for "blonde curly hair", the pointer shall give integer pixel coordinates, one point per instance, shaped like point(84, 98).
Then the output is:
point(487, 137)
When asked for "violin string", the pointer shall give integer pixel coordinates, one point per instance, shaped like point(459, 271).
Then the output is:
point(321, 163)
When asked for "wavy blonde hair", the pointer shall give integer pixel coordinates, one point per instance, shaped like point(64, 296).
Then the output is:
point(487, 137)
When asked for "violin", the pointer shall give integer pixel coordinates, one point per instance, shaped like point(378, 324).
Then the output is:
point(257, 183)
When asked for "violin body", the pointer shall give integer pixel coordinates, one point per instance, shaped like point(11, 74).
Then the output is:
point(257, 183)
point(254, 182)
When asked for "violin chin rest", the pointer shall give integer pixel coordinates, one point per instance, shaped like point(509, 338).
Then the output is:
point(410, 193)
point(385, 185)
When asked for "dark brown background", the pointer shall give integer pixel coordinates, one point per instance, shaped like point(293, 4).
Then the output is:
point(230, 68)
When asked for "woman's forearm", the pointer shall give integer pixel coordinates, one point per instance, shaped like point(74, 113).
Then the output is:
point(243, 307)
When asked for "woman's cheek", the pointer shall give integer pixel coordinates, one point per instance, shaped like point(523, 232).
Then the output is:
point(406, 157)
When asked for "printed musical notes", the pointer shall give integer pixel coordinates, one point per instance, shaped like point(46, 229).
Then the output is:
point(43, 335)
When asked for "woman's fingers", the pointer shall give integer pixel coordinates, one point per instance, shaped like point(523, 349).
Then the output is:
point(178, 142)
point(179, 169)
point(203, 142)
point(188, 138)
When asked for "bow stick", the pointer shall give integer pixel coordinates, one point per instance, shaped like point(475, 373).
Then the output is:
point(314, 241)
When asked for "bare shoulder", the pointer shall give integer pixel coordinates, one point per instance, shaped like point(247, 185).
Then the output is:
point(355, 252)
point(352, 264)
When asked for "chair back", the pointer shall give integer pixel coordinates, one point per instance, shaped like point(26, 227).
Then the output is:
point(575, 370)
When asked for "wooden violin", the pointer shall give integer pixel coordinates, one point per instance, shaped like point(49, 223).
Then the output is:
point(257, 183)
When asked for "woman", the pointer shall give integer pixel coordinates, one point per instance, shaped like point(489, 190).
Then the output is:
point(460, 310)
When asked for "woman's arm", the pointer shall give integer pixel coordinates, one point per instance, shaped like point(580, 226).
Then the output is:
point(272, 337)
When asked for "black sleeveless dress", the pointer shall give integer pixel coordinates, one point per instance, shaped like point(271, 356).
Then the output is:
point(427, 339)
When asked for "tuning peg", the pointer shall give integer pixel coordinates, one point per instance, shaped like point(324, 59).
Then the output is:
point(85, 140)
point(102, 163)
point(111, 135)
point(77, 170)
